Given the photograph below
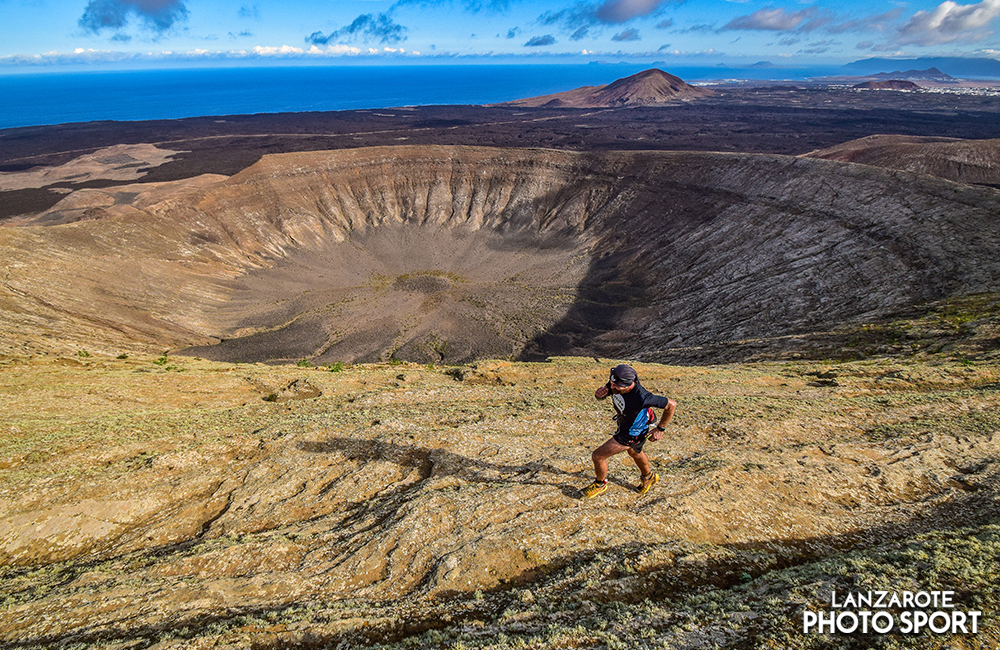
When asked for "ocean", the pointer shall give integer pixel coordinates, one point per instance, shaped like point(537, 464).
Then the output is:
point(34, 99)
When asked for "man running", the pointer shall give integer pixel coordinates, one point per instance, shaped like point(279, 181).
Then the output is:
point(634, 413)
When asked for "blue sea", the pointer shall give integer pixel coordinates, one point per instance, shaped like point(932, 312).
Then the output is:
point(33, 99)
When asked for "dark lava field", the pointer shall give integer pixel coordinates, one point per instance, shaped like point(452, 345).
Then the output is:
point(782, 120)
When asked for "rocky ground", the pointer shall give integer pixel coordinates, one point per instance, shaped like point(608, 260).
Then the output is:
point(178, 503)
point(956, 160)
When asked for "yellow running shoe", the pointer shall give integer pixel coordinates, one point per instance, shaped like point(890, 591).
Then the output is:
point(648, 482)
point(595, 488)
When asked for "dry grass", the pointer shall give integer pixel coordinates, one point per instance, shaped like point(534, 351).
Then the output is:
point(162, 501)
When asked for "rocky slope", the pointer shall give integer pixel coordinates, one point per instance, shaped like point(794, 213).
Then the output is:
point(172, 503)
point(443, 254)
point(962, 161)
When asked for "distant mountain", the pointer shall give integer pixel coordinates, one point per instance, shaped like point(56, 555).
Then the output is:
point(890, 84)
point(646, 88)
point(951, 65)
point(930, 74)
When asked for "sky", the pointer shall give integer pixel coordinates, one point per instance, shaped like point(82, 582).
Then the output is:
point(169, 33)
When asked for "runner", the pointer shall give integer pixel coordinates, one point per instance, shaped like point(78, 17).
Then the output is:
point(634, 413)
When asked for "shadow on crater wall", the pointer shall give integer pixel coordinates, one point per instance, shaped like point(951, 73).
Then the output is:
point(719, 258)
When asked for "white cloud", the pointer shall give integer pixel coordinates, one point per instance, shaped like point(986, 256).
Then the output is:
point(291, 51)
point(777, 20)
point(158, 16)
point(876, 23)
point(630, 34)
point(271, 51)
point(620, 11)
point(950, 22)
point(98, 57)
point(342, 49)
point(709, 52)
point(77, 56)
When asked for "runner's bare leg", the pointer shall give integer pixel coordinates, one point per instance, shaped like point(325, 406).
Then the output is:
point(642, 460)
point(601, 456)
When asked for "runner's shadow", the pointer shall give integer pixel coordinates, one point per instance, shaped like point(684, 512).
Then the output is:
point(440, 462)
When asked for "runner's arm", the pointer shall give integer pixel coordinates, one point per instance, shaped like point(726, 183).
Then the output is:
point(665, 418)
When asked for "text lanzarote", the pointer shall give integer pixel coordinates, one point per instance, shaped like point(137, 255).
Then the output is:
point(878, 612)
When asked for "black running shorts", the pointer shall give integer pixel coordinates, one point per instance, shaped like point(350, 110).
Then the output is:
point(635, 442)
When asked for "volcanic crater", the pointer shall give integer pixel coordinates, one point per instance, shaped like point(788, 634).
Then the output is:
point(448, 253)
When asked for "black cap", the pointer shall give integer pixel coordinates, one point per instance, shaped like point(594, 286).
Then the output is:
point(623, 375)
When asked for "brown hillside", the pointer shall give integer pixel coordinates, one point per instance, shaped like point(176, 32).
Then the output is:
point(164, 502)
point(963, 161)
point(646, 88)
